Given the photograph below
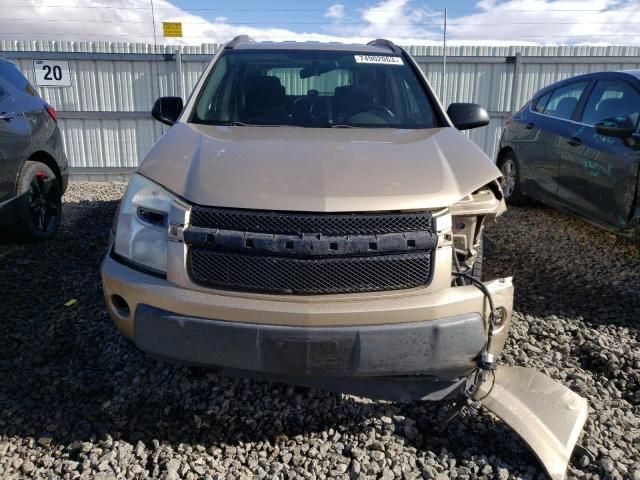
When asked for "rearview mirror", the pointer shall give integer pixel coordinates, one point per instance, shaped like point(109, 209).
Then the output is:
point(317, 68)
point(167, 109)
point(610, 129)
point(465, 116)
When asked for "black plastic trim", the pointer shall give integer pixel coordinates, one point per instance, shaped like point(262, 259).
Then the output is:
point(297, 223)
point(309, 245)
point(444, 348)
point(136, 266)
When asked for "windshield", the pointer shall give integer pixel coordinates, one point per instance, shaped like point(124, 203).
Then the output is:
point(313, 89)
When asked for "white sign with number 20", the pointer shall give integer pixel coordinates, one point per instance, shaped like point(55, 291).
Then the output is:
point(52, 73)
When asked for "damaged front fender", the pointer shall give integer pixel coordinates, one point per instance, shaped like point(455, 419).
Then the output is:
point(544, 413)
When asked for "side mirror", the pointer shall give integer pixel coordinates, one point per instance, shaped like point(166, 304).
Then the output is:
point(610, 129)
point(467, 115)
point(167, 109)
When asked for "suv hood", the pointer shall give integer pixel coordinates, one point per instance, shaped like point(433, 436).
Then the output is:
point(318, 169)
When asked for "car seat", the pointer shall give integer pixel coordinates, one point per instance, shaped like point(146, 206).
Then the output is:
point(264, 98)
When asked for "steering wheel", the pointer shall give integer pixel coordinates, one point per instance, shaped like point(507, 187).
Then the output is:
point(307, 105)
point(380, 110)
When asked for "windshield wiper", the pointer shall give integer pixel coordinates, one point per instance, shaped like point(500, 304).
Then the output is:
point(237, 123)
point(242, 124)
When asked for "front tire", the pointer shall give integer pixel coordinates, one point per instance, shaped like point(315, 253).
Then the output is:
point(39, 202)
point(476, 270)
point(511, 174)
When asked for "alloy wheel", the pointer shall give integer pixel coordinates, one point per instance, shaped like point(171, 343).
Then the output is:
point(509, 173)
point(43, 202)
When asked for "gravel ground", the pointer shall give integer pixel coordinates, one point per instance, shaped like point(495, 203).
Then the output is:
point(77, 400)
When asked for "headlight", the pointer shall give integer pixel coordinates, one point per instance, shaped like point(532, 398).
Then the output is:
point(142, 222)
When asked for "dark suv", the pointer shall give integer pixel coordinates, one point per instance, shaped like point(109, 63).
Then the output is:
point(576, 146)
point(33, 166)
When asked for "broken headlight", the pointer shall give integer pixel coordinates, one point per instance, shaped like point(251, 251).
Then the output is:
point(141, 224)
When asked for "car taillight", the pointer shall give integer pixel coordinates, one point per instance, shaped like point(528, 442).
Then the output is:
point(507, 121)
point(52, 113)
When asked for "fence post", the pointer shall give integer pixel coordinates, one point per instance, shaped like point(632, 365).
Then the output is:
point(179, 88)
point(443, 97)
point(515, 90)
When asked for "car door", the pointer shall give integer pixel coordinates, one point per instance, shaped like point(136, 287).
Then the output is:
point(531, 134)
point(601, 172)
point(559, 127)
point(15, 137)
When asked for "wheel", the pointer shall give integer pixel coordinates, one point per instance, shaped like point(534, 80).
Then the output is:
point(476, 270)
point(39, 202)
point(511, 174)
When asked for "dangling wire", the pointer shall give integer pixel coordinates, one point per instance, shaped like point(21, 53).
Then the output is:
point(478, 284)
point(486, 364)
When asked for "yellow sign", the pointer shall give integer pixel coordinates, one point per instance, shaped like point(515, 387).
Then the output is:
point(171, 29)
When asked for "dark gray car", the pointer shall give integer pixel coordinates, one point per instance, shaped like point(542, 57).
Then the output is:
point(576, 146)
point(33, 167)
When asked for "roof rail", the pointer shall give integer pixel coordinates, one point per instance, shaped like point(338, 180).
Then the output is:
point(383, 42)
point(236, 40)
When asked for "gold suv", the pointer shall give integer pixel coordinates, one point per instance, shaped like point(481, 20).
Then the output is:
point(314, 216)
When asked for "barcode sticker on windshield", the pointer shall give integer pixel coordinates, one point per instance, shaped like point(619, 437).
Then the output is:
point(379, 59)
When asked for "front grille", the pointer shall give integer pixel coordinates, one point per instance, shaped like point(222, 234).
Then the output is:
point(309, 276)
point(309, 253)
point(297, 223)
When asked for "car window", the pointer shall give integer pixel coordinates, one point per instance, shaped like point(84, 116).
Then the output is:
point(314, 88)
point(214, 92)
point(12, 75)
point(610, 99)
point(564, 100)
point(540, 103)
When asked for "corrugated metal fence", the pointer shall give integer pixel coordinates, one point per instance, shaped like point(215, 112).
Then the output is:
point(107, 128)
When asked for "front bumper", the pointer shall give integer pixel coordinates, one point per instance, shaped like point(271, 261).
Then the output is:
point(399, 345)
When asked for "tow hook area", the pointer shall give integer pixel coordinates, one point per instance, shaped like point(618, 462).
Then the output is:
point(547, 415)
